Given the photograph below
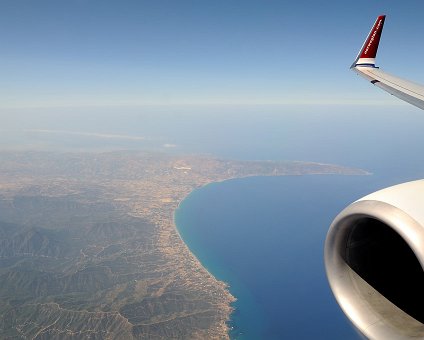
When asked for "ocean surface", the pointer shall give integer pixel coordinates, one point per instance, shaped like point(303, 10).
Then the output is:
point(264, 236)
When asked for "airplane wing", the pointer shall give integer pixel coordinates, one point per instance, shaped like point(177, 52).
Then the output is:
point(364, 65)
point(378, 281)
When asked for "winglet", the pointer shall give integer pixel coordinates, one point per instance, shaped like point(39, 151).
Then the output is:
point(368, 52)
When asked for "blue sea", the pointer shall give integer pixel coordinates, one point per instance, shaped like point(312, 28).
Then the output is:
point(264, 236)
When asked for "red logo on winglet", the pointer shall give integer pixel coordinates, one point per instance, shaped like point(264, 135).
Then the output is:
point(371, 45)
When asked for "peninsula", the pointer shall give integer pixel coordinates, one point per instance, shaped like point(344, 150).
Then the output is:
point(89, 248)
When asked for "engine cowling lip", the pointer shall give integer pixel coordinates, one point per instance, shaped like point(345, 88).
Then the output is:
point(339, 273)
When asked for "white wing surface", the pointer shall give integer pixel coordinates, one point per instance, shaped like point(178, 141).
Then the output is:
point(364, 65)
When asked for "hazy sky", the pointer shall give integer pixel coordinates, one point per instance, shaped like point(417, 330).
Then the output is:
point(97, 52)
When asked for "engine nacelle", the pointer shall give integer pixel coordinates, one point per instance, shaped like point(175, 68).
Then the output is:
point(374, 258)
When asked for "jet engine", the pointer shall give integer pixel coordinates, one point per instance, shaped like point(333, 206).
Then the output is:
point(374, 258)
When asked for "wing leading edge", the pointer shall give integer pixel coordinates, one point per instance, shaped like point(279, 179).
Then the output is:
point(364, 65)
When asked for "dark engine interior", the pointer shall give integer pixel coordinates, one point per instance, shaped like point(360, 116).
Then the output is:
point(382, 258)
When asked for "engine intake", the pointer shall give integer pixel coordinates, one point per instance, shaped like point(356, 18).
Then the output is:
point(374, 257)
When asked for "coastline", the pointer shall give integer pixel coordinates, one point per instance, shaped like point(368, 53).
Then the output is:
point(252, 230)
point(189, 174)
point(224, 328)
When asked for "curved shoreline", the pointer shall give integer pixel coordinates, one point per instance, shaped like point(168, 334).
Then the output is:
point(199, 264)
point(225, 285)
